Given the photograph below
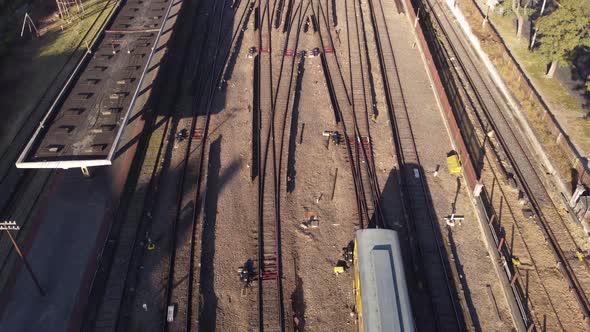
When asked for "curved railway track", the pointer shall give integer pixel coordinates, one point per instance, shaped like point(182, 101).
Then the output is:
point(527, 173)
point(349, 99)
point(274, 93)
point(214, 70)
point(362, 99)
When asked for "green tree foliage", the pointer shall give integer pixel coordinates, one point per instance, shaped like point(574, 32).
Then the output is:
point(565, 29)
point(506, 7)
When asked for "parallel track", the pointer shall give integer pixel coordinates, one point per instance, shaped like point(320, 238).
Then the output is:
point(511, 141)
point(204, 96)
point(417, 204)
point(351, 104)
point(358, 119)
point(274, 92)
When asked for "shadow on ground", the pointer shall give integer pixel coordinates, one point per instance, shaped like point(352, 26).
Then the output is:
point(399, 212)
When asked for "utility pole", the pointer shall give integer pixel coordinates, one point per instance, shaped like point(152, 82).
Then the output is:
point(11, 225)
point(31, 25)
point(543, 7)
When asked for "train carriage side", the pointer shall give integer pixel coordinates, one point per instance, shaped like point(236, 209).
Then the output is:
point(381, 292)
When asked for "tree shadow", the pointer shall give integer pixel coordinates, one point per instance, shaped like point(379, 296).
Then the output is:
point(580, 71)
point(464, 285)
point(573, 76)
point(208, 314)
point(412, 214)
point(236, 51)
point(291, 170)
point(298, 302)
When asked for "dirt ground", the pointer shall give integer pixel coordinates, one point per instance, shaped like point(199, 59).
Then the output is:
point(322, 300)
point(319, 299)
point(448, 192)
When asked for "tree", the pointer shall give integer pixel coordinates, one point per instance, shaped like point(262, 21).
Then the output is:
point(563, 30)
point(521, 13)
point(519, 18)
point(543, 7)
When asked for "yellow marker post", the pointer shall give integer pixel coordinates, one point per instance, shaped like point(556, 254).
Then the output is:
point(453, 164)
point(515, 261)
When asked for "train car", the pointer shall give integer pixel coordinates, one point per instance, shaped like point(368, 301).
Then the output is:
point(381, 292)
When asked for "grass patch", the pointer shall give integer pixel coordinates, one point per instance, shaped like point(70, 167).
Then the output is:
point(554, 94)
point(534, 65)
point(30, 67)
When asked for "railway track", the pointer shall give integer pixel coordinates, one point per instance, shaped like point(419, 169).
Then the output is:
point(115, 283)
point(351, 100)
point(274, 91)
point(528, 176)
point(269, 275)
point(358, 119)
point(352, 103)
point(444, 302)
point(223, 41)
point(542, 268)
point(212, 61)
point(192, 104)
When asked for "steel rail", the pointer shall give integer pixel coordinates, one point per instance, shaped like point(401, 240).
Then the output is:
point(333, 93)
point(522, 306)
point(566, 268)
point(368, 156)
point(216, 72)
point(340, 115)
point(266, 318)
point(171, 271)
point(402, 149)
point(351, 115)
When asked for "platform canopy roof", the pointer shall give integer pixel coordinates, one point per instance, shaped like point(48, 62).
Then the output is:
point(85, 123)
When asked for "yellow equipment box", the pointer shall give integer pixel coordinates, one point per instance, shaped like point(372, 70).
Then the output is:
point(453, 164)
